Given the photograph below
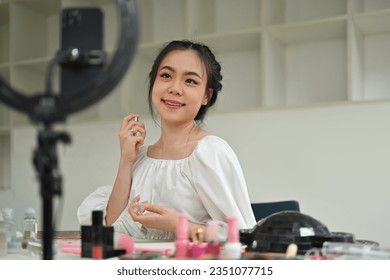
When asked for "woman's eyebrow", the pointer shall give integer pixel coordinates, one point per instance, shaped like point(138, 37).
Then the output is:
point(191, 73)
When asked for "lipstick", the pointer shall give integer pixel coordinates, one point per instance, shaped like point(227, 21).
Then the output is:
point(97, 232)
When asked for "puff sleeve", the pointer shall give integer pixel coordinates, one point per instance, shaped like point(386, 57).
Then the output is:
point(220, 182)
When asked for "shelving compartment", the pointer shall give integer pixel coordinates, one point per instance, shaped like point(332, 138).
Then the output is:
point(134, 87)
point(305, 63)
point(362, 6)
point(5, 164)
point(370, 45)
point(4, 110)
point(28, 78)
point(162, 20)
point(34, 28)
point(4, 34)
point(289, 11)
point(240, 57)
point(4, 116)
point(222, 16)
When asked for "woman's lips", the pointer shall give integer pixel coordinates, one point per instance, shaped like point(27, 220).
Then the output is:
point(172, 104)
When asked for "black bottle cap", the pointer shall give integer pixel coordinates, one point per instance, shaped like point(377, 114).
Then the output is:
point(97, 217)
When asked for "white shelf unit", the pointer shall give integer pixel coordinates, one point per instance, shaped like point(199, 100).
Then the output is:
point(370, 40)
point(274, 53)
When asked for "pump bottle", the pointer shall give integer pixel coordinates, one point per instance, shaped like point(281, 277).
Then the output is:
point(30, 227)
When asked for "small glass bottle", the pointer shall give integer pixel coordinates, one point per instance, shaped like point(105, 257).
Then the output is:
point(13, 245)
point(3, 236)
point(30, 227)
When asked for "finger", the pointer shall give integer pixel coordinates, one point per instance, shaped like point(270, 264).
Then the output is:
point(152, 208)
point(135, 128)
point(138, 131)
point(135, 200)
point(126, 120)
point(193, 237)
point(132, 208)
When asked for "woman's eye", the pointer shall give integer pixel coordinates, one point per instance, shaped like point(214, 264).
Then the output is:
point(190, 81)
point(165, 75)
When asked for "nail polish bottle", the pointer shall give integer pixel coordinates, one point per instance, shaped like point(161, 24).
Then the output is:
point(213, 242)
point(198, 248)
point(232, 247)
point(182, 242)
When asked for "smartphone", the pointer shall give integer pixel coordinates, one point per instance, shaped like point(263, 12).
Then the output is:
point(81, 29)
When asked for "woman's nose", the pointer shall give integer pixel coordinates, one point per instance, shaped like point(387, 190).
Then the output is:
point(175, 89)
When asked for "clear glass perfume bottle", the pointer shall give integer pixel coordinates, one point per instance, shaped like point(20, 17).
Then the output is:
point(3, 236)
point(12, 243)
point(30, 227)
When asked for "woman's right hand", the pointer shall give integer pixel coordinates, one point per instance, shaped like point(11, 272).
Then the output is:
point(131, 136)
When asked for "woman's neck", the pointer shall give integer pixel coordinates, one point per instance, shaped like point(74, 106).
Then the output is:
point(176, 142)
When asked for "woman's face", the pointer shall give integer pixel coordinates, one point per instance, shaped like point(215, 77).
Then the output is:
point(179, 89)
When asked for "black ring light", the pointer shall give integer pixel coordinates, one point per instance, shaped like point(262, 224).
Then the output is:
point(47, 108)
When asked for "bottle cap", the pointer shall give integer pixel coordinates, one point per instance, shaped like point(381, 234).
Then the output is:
point(29, 213)
point(97, 217)
point(233, 234)
point(213, 231)
point(182, 227)
point(8, 213)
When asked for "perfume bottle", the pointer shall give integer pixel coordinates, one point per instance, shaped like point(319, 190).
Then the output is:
point(30, 227)
point(3, 236)
point(12, 244)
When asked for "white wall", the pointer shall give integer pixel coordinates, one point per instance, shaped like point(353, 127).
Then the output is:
point(333, 159)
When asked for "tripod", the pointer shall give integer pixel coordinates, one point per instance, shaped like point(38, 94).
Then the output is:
point(46, 163)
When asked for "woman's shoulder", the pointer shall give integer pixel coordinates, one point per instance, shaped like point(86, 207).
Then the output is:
point(213, 141)
point(212, 144)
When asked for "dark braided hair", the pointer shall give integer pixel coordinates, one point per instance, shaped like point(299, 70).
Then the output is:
point(213, 69)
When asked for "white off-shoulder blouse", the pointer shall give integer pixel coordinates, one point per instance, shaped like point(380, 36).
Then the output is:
point(207, 185)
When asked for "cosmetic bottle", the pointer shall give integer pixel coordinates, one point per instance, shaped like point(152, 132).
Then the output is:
point(182, 242)
point(13, 245)
point(30, 227)
point(3, 237)
point(97, 235)
point(198, 248)
point(213, 242)
point(232, 247)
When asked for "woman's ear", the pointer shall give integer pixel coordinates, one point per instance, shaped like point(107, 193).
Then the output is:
point(207, 96)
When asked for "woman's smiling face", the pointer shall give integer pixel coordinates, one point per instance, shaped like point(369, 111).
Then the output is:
point(179, 89)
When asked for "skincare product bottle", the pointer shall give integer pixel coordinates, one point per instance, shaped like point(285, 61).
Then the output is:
point(13, 245)
point(213, 242)
point(30, 227)
point(3, 237)
point(232, 247)
point(182, 242)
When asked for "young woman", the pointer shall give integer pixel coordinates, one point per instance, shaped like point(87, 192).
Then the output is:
point(187, 170)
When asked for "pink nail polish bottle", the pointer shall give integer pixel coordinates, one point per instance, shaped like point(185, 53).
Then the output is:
point(232, 247)
point(182, 242)
point(213, 244)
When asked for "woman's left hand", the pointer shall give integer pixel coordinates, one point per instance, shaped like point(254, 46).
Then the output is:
point(156, 217)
